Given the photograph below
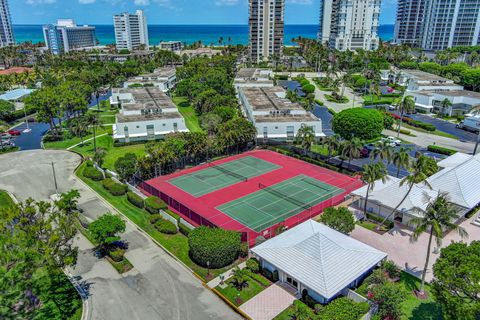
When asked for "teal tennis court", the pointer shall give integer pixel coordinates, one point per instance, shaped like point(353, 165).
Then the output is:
point(271, 205)
point(219, 176)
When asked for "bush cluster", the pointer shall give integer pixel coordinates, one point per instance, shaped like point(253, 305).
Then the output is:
point(419, 124)
point(116, 189)
point(117, 254)
point(361, 123)
point(214, 245)
point(342, 309)
point(92, 173)
point(135, 199)
point(374, 217)
point(253, 265)
point(154, 218)
point(154, 204)
point(184, 229)
point(441, 150)
point(165, 226)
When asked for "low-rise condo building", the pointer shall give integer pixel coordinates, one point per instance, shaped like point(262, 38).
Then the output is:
point(145, 114)
point(274, 116)
point(200, 52)
point(460, 101)
point(420, 80)
point(163, 78)
point(174, 46)
point(253, 77)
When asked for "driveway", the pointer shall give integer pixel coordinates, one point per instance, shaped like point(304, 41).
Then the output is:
point(326, 117)
point(157, 288)
point(31, 140)
point(269, 303)
point(407, 255)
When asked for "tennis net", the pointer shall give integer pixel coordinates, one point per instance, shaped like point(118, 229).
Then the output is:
point(230, 173)
point(284, 196)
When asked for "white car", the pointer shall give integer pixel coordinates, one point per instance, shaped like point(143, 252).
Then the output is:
point(392, 141)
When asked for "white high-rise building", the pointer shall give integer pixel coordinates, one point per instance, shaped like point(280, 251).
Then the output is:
point(450, 23)
point(266, 33)
point(6, 33)
point(409, 22)
point(131, 30)
point(350, 24)
point(66, 35)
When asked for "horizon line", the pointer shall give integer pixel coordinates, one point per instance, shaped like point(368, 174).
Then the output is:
point(182, 24)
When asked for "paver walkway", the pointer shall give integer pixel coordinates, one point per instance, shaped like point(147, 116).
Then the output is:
point(408, 255)
point(269, 303)
point(227, 274)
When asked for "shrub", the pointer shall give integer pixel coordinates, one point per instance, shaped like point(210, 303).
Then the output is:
point(379, 219)
point(154, 204)
point(184, 229)
point(117, 254)
point(259, 278)
point(391, 268)
point(154, 218)
point(214, 245)
point(267, 274)
point(405, 131)
point(92, 173)
point(388, 121)
point(114, 188)
point(243, 252)
point(362, 123)
point(308, 88)
point(334, 97)
point(309, 301)
point(343, 309)
point(253, 265)
point(135, 199)
point(165, 226)
point(340, 219)
point(441, 150)
point(172, 214)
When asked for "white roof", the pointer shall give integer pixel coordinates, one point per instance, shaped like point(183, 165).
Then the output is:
point(16, 94)
point(321, 258)
point(454, 160)
point(391, 193)
point(461, 182)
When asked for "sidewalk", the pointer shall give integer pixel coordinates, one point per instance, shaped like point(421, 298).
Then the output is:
point(227, 274)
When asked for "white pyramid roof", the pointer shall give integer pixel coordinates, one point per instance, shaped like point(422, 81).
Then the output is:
point(321, 258)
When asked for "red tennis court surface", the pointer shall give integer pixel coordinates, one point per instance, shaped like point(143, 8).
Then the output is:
point(218, 206)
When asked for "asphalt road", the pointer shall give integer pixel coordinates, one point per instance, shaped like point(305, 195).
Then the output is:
point(157, 288)
point(326, 117)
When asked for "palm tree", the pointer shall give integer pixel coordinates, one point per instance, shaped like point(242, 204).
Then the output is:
point(383, 150)
point(445, 105)
point(305, 137)
point(79, 127)
point(351, 149)
point(301, 312)
point(332, 143)
point(407, 105)
point(416, 176)
point(93, 120)
point(439, 215)
point(401, 158)
point(371, 173)
point(240, 278)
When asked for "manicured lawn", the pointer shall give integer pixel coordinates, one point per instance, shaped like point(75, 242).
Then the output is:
point(176, 244)
point(64, 144)
point(5, 200)
point(113, 153)
point(286, 314)
point(414, 308)
point(386, 100)
point(188, 112)
point(436, 132)
point(239, 297)
point(320, 149)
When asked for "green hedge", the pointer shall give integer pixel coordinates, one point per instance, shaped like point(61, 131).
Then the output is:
point(441, 150)
point(379, 219)
point(214, 245)
point(420, 124)
point(332, 99)
point(154, 204)
point(184, 229)
point(135, 199)
point(92, 173)
point(172, 214)
point(342, 309)
point(165, 226)
point(114, 188)
point(154, 218)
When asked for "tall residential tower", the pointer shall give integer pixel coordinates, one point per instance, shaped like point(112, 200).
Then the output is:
point(6, 33)
point(450, 23)
point(266, 24)
point(349, 24)
point(66, 35)
point(409, 22)
point(131, 30)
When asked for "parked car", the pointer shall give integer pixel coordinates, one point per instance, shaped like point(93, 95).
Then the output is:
point(31, 119)
point(392, 141)
point(14, 132)
point(365, 153)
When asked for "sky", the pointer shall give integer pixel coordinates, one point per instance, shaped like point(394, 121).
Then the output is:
point(166, 11)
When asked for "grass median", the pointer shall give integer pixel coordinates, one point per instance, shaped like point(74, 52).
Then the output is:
point(176, 244)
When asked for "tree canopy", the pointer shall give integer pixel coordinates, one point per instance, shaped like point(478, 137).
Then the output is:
point(361, 123)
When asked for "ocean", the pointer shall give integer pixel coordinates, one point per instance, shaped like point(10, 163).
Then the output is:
point(208, 34)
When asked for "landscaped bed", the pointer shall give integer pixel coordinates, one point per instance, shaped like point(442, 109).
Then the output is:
point(251, 289)
point(5, 200)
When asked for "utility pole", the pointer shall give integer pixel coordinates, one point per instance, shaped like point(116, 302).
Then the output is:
point(54, 178)
point(476, 144)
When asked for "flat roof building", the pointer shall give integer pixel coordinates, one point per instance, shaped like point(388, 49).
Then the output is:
point(253, 77)
point(145, 114)
point(318, 260)
point(274, 116)
point(131, 30)
point(163, 78)
point(173, 46)
point(200, 52)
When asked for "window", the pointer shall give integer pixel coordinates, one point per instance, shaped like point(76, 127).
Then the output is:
point(265, 132)
point(290, 132)
point(175, 127)
point(150, 132)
